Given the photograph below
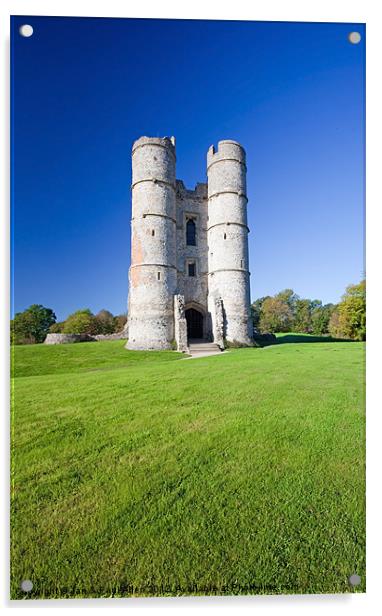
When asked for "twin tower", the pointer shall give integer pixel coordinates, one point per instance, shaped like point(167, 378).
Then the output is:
point(189, 276)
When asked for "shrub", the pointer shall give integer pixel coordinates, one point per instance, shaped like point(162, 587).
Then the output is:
point(81, 322)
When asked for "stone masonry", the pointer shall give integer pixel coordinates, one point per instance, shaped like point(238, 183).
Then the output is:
point(189, 276)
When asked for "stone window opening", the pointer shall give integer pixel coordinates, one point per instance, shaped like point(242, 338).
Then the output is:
point(191, 269)
point(190, 232)
point(241, 263)
point(158, 275)
point(153, 232)
point(225, 236)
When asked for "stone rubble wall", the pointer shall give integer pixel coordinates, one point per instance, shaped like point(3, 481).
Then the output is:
point(180, 324)
point(71, 338)
point(123, 335)
point(68, 338)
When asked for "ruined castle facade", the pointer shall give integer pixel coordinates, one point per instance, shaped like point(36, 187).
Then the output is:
point(189, 276)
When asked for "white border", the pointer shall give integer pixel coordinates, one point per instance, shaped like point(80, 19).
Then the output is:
point(273, 10)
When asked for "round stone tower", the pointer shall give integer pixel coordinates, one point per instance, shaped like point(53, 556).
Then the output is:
point(153, 274)
point(228, 284)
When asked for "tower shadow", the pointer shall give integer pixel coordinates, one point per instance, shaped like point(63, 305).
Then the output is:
point(264, 340)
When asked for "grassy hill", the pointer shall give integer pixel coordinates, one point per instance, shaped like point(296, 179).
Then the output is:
point(144, 473)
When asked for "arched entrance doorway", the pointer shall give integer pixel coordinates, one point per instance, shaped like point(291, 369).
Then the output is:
point(194, 320)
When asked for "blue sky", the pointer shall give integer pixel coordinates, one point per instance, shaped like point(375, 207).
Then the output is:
point(83, 89)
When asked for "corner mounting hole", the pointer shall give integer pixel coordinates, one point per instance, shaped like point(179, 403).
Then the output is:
point(26, 30)
point(26, 585)
point(354, 580)
point(354, 37)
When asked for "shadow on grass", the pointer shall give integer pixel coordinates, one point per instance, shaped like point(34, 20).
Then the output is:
point(264, 340)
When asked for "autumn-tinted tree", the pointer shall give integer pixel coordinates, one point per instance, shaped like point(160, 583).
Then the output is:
point(276, 315)
point(32, 325)
point(120, 322)
point(352, 312)
point(335, 326)
point(105, 322)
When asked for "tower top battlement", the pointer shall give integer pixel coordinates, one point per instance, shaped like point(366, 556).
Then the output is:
point(227, 149)
point(164, 142)
point(200, 190)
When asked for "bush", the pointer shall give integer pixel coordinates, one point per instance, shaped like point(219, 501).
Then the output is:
point(81, 322)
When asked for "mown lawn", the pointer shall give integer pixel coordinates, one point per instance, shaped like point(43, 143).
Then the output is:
point(143, 473)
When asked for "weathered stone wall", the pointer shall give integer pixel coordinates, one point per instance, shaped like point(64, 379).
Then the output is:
point(68, 338)
point(228, 240)
point(123, 335)
point(180, 324)
point(219, 333)
point(153, 272)
point(193, 204)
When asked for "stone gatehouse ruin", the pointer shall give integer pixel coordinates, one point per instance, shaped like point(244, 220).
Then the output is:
point(189, 276)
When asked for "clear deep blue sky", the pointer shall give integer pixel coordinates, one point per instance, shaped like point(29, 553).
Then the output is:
point(84, 89)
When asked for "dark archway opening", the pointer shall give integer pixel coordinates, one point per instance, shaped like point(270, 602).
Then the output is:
point(194, 320)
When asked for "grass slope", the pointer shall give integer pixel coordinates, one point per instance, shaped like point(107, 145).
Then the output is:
point(239, 473)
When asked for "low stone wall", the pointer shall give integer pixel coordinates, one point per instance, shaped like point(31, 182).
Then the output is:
point(68, 338)
point(117, 336)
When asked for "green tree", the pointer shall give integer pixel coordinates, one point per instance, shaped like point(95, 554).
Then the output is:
point(320, 319)
point(302, 321)
point(276, 315)
point(256, 307)
point(352, 311)
point(349, 318)
point(32, 325)
point(289, 297)
point(105, 322)
point(56, 328)
point(81, 322)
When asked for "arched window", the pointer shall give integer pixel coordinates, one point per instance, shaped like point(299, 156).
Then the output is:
point(191, 232)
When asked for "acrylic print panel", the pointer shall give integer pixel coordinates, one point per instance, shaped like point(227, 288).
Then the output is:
point(180, 427)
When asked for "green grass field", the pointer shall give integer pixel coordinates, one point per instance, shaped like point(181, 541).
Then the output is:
point(144, 473)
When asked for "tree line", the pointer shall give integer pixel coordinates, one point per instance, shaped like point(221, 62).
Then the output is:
point(33, 324)
point(287, 312)
point(283, 312)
